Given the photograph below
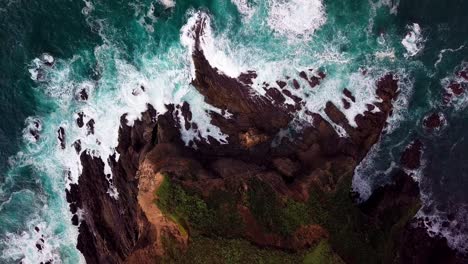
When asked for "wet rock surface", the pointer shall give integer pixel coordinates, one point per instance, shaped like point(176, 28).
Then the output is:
point(411, 157)
point(112, 229)
point(434, 121)
point(61, 137)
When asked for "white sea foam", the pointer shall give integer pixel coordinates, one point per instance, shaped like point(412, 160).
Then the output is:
point(168, 3)
point(368, 175)
point(362, 179)
point(400, 105)
point(296, 18)
point(32, 131)
point(40, 240)
point(362, 86)
point(215, 49)
point(127, 90)
point(245, 8)
point(26, 249)
point(439, 223)
point(443, 51)
point(88, 8)
point(385, 54)
point(413, 41)
point(460, 101)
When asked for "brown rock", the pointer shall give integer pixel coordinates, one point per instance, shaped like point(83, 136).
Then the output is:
point(252, 138)
point(463, 74)
point(346, 104)
point(434, 121)
point(281, 84)
point(296, 84)
point(456, 88)
point(276, 95)
point(348, 94)
point(90, 127)
point(286, 166)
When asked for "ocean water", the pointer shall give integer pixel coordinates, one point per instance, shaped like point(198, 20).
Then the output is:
point(126, 54)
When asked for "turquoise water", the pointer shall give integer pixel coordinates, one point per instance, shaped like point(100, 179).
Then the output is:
point(112, 48)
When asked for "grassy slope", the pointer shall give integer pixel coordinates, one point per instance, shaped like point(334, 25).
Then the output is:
point(216, 227)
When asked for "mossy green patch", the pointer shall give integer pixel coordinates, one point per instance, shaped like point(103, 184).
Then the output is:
point(215, 225)
point(276, 215)
point(355, 236)
point(204, 250)
point(192, 212)
point(322, 254)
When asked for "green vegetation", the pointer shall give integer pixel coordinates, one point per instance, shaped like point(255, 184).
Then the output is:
point(281, 217)
point(196, 215)
point(322, 254)
point(204, 250)
point(216, 227)
point(353, 235)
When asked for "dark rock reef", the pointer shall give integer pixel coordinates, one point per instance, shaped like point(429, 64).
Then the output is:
point(289, 197)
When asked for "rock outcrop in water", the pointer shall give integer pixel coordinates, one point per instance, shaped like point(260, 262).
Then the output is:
point(288, 194)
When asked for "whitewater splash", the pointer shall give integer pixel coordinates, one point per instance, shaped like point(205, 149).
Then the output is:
point(212, 48)
point(296, 18)
point(413, 41)
point(245, 8)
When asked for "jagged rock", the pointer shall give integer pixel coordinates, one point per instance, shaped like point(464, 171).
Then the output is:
point(90, 127)
point(83, 95)
point(456, 88)
point(281, 84)
point(276, 95)
point(348, 94)
point(346, 104)
point(61, 137)
point(434, 121)
point(463, 74)
point(79, 120)
point(77, 146)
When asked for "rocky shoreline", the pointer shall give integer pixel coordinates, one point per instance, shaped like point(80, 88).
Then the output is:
point(286, 194)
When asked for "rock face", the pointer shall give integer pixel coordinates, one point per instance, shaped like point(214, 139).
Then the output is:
point(429, 249)
point(117, 230)
point(316, 161)
point(411, 157)
point(111, 229)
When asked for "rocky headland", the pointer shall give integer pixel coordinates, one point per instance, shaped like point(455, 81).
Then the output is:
point(260, 197)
